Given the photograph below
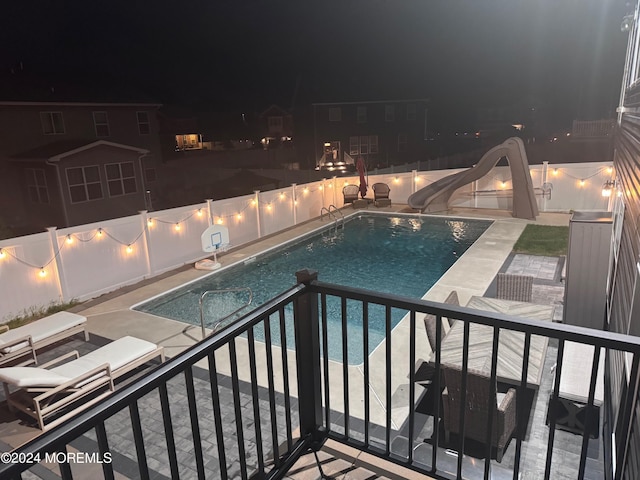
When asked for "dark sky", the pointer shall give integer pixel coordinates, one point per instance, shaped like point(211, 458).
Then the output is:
point(461, 54)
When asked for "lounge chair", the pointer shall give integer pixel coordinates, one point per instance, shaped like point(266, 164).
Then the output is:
point(24, 341)
point(481, 396)
point(350, 193)
point(514, 287)
point(381, 195)
point(51, 396)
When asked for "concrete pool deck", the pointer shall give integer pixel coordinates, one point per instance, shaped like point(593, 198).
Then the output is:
point(111, 317)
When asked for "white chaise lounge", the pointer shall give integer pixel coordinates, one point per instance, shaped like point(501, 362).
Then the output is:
point(23, 341)
point(51, 396)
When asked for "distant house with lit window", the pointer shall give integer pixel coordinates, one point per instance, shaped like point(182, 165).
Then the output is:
point(381, 132)
point(68, 161)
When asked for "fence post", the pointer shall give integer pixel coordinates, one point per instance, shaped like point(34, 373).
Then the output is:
point(293, 203)
point(210, 211)
point(307, 338)
point(144, 219)
point(55, 250)
point(257, 202)
point(545, 176)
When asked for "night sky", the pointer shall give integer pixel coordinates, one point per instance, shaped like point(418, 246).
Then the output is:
point(248, 54)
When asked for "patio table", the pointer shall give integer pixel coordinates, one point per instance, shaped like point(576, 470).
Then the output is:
point(510, 345)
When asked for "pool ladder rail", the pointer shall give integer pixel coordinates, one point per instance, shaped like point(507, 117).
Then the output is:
point(215, 328)
point(331, 213)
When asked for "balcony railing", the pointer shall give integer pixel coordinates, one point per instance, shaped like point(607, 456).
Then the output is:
point(239, 418)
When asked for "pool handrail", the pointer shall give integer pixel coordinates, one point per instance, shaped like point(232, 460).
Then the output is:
point(222, 290)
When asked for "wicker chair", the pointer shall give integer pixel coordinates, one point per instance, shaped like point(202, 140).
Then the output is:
point(381, 195)
point(480, 396)
point(514, 287)
point(350, 193)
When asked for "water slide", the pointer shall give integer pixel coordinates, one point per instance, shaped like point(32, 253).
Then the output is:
point(435, 197)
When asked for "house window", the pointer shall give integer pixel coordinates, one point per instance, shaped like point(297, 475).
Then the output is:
point(121, 178)
point(52, 123)
point(389, 113)
point(362, 114)
point(402, 142)
point(101, 122)
point(411, 111)
point(275, 124)
point(37, 185)
point(143, 123)
point(363, 145)
point(84, 183)
point(335, 114)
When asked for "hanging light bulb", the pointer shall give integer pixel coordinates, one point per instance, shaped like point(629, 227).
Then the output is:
point(177, 227)
point(150, 222)
point(99, 234)
point(555, 171)
point(220, 221)
point(129, 249)
point(42, 273)
point(2, 253)
point(239, 216)
point(199, 212)
point(582, 182)
point(503, 184)
point(69, 239)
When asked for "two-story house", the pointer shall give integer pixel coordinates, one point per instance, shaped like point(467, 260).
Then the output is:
point(68, 162)
point(381, 132)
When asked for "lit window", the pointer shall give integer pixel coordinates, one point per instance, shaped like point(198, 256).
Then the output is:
point(37, 185)
point(52, 123)
point(354, 145)
point(402, 142)
point(363, 145)
point(144, 126)
point(335, 114)
point(101, 122)
point(362, 114)
point(389, 113)
point(121, 178)
point(411, 111)
point(84, 183)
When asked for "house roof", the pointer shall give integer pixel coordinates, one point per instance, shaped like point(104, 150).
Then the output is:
point(57, 150)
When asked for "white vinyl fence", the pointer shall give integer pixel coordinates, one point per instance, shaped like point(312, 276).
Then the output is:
point(85, 261)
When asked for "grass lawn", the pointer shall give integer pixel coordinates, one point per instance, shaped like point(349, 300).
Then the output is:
point(543, 240)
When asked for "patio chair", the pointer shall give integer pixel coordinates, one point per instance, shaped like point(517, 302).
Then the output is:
point(514, 287)
point(381, 195)
point(481, 396)
point(350, 193)
point(23, 341)
point(452, 299)
point(51, 396)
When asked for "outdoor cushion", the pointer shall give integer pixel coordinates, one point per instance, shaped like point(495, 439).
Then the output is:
point(24, 377)
point(117, 354)
point(41, 329)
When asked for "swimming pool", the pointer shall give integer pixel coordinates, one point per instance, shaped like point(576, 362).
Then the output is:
point(397, 254)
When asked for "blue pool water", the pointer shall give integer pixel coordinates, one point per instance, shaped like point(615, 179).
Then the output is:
point(399, 254)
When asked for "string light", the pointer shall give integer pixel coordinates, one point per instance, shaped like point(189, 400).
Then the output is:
point(281, 195)
point(253, 203)
point(99, 233)
point(150, 222)
point(555, 171)
point(268, 206)
point(42, 273)
point(2, 253)
point(199, 212)
point(396, 180)
point(321, 187)
point(69, 239)
point(582, 182)
point(220, 221)
point(417, 179)
point(177, 227)
point(610, 170)
point(503, 184)
point(129, 248)
point(239, 216)
point(306, 190)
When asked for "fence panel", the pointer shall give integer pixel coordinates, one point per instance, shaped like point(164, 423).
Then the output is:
point(174, 236)
point(21, 278)
point(276, 210)
point(239, 215)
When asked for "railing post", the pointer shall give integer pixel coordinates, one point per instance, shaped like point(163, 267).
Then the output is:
point(307, 338)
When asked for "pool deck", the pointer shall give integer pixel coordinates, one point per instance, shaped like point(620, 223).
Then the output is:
point(110, 316)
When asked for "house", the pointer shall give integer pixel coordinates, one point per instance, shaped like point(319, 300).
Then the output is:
point(69, 160)
point(276, 127)
point(381, 132)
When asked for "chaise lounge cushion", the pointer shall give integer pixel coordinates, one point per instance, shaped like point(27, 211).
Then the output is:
point(41, 329)
point(25, 377)
point(117, 354)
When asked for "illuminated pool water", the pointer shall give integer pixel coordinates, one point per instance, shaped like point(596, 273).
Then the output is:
point(396, 254)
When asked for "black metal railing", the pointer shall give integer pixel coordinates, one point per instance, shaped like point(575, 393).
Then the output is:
point(253, 409)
